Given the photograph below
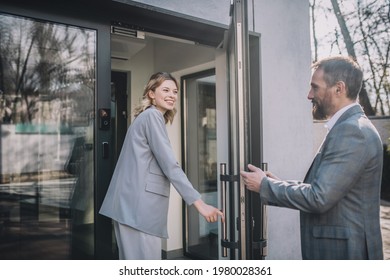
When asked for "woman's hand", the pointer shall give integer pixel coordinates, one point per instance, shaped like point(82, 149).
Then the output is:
point(210, 213)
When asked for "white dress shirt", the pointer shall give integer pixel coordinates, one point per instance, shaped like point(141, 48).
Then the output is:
point(332, 121)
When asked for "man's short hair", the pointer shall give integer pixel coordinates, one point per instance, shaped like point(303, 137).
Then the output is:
point(341, 68)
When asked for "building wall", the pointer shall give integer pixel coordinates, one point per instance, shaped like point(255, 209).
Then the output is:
point(288, 139)
point(288, 132)
point(211, 10)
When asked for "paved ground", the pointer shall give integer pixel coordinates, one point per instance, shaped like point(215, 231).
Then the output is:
point(385, 222)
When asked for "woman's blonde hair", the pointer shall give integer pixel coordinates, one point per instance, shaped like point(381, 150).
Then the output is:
point(154, 82)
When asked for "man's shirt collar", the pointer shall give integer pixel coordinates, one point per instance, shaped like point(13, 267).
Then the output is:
point(332, 121)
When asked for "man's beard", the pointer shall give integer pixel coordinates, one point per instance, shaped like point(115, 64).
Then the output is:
point(318, 111)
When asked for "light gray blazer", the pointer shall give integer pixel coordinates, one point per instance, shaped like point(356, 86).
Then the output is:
point(138, 195)
point(339, 199)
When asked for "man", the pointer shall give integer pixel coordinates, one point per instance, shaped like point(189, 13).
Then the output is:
point(339, 199)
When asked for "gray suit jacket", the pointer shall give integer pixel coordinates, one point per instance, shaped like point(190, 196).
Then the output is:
point(138, 194)
point(339, 199)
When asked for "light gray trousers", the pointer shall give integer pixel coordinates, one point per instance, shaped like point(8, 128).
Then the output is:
point(136, 245)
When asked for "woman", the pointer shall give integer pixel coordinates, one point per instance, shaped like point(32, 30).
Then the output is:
point(138, 196)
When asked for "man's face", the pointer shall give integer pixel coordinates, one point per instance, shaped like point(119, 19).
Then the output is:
point(321, 96)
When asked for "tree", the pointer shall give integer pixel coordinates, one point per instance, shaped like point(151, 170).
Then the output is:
point(349, 44)
point(39, 60)
point(360, 30)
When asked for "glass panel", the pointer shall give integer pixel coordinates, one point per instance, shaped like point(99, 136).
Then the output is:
point(47, 83)
point(201, 162)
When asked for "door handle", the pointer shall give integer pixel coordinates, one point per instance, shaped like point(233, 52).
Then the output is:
point(223, 204)
point(264, 234)
point(105, 150)
point(224, 178)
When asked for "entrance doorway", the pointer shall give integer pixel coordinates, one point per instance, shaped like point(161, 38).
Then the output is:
point(208, 104)
point(143, 54)
point(200, 145)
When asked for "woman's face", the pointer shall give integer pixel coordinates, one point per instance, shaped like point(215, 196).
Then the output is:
point(165, 96)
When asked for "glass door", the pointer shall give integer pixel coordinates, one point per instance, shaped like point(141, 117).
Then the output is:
point(220, 126)
point(244, 234)
point(201, 159)
point(238, 226)
point(238, 142)
point(47, 96)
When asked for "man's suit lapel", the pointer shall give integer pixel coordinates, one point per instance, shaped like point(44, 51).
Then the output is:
point(309, 172)
point(315, 159)
point(349, 113)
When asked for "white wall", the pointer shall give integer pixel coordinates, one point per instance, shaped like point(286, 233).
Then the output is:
point(288, 132)
point(211, 10)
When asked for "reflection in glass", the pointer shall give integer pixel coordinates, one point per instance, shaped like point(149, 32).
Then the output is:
point(201, 160)
point(47, 89)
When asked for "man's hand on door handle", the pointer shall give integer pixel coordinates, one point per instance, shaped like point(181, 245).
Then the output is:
point(253, 178)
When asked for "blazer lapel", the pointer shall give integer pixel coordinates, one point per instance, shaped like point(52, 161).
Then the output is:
point(349, 113)
point(308, 173)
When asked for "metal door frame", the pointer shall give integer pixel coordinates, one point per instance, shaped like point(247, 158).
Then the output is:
point(245, 145)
